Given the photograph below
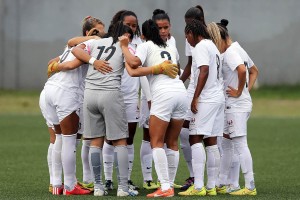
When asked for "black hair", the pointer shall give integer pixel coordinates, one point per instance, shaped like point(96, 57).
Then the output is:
point(197, 28)
point(90, 22)
point(223, 23)
point(120, 16)
point(159, 14)
point(151, 32)
point(116, 30)
point(195, 13)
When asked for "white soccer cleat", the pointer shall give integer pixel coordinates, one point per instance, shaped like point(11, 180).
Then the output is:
point(99, 193)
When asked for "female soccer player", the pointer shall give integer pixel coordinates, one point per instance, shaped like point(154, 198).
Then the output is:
point(208, 100)
point(198, 14)
point(238, 82)
point(168, 107)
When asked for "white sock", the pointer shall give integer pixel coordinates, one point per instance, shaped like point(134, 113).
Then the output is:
point(49, 160)
point(173, 160)
point(186, 149)
point(130, 159)
point(68, 157)
point(212, 165)
point(108, 160)
point(146, 160)
point(234, 174)
point(86, 170)
point(241, 146)
point(198, 159)
point(56, 161)
point(161, 167)
point(219, 143)
point(121, 153)
point(226, 160)
point(95, 159)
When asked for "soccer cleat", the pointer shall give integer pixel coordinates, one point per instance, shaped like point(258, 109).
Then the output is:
point(222, 189)
point(76, 191)
point(109, 185)
point(193, 192)
point(130, 192)
point(244, 191)
point(57, 190)
point(99, 192)
point(211, 192)
point(86, 186)
point(50, 188)
point(150, 185)
point(161, 193)
point(231, 188)
point(188, 183)
point(176, 186)
point(132, 186)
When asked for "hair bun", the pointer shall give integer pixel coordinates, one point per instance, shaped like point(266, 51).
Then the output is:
point(224, 22)
point(158, 11)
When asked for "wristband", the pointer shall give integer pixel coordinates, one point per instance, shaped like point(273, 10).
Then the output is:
point(92, 60)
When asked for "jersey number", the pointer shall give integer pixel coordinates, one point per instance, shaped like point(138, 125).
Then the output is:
point(111, 50)
point(65, 55)
point(218, 65)
point(163, 54)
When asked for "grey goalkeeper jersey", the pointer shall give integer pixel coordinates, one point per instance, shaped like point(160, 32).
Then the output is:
point(103, 49)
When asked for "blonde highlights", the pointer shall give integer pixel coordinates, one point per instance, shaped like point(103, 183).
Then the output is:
point(214, 32)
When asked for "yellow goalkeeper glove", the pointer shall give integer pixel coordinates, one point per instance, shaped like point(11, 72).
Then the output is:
point(52, 68)
point(166, 68)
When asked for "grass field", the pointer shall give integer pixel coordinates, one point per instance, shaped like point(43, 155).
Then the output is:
point(273, 139)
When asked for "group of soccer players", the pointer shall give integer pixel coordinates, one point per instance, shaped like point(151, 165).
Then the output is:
point(92, 95)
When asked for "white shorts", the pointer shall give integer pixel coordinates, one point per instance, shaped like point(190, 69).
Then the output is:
point(60, 103)
point(209, 120)
point(144, 113)
point(189, 112)
point(42, 103)
point(235, 124)
point(132, 112)
point(171, 105)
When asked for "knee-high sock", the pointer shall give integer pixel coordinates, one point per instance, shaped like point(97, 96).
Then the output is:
point(121, 153)
point(241, 146)
point(212, 165)
point(146, 160)
point(173, 160)
point(161, 167)
point(186, 149)
point(86, 169)
point(108, 160)
point(130, 159)
point(56, 161)
point(198, 159)
point(49, 160)
point(68, 158)
point(234, 174)
point(226, 160)
point(95, 159)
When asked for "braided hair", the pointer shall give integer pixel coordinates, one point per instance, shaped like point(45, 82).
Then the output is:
point(195, 13)
point(151, 32)
point(197, 29)
point(88, 23)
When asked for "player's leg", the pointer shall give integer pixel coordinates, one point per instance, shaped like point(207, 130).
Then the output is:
point(108, 163)
point(130, 147)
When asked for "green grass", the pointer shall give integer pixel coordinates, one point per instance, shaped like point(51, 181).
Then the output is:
point(273, 139)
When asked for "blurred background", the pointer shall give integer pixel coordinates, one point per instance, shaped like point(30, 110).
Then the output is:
point(34, 31)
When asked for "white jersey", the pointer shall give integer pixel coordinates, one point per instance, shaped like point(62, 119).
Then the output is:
point(130, 85)
point(206, 53)
point(188, 52)
point(103, 49)
point(234, 56)
point(67, 80)
point(150, 55)
point(172, 42)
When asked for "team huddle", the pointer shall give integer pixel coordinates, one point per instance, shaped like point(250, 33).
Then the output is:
point(105, 84)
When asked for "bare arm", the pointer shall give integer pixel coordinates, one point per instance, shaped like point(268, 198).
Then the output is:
point(232, 92)
point(78, 40)
point(53, 60)
point(202, 78)
point(140, 71)
point(69, 65)
point(253, 73)
point(187, 70)
point(133, 61)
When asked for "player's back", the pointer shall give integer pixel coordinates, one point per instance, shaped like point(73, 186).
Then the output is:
point(104, 49)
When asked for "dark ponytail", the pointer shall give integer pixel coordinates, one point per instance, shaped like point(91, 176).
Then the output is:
point(159, 14)
point(151, 32)
point(197, 29)
point(195, 13)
